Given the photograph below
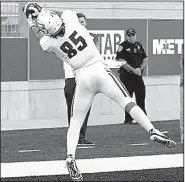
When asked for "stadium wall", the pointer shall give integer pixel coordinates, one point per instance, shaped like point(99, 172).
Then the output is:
point(36, 92)
point(45, 100)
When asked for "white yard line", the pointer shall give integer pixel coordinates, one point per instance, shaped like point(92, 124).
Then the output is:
point(85, 147)
point(22, 151)
point(139, 144)
point(164, 132)
point(42, 168)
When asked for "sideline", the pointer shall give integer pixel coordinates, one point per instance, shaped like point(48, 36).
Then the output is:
point(43, 168)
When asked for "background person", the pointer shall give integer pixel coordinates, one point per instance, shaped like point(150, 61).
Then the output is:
point(131, 73)
point(182, 97)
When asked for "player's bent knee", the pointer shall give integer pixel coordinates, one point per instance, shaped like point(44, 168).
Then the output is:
point(130, 103)
point(128, 100)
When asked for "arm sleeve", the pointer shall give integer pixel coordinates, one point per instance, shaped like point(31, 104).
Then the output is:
point(143, 53)
point(120, 52)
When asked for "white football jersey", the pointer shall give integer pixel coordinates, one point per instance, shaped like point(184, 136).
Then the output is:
point(76, 47)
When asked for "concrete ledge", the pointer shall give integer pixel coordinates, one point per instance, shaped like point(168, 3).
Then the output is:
point(35, 100)
point(14, 86)
point(159, 81)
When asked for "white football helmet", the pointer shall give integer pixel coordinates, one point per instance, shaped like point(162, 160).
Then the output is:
point(48, 21)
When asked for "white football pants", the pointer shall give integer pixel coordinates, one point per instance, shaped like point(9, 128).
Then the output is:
point(91, 80)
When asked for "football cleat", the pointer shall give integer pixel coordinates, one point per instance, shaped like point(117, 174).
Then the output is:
point(158, 137)
point(85, 142)
point(72, 168)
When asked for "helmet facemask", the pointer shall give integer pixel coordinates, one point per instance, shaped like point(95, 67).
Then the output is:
point(60, 32)
point(41, 27)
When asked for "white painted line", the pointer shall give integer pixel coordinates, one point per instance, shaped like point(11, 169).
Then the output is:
point(85, 147)
point(43, 168)
point(22, 151)
point(139, 144)
point(165, 132)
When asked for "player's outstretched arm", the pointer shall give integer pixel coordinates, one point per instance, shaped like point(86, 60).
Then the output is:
point(31, 12)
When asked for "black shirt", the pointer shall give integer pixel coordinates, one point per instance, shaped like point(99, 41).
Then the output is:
point(132, 53)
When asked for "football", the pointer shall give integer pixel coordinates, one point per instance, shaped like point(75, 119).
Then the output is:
point(31, 8)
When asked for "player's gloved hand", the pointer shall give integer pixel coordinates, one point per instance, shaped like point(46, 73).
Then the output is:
point(32, 9)
point(35, 9)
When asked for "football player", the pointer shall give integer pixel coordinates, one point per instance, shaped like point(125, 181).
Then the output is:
point(70, 85)
point(71, 41)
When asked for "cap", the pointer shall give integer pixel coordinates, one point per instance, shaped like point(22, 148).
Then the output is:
point(130, 30)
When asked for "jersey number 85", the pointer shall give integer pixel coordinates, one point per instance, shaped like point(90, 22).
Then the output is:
point(67, 48)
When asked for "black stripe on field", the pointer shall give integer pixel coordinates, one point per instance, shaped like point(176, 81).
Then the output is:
point(167, 174)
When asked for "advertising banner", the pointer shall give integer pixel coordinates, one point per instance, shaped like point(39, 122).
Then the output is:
point(162, 41)
point(42, 65)
point(14, 59)
point(165, 40)
point(111, 33)
point(109, 43)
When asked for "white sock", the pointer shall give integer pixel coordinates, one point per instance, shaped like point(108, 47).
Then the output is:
point(139, 116)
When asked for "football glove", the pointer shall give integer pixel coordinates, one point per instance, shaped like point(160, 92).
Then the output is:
point(31, 10)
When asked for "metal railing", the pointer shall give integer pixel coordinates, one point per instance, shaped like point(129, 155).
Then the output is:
point(10, 20)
